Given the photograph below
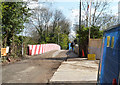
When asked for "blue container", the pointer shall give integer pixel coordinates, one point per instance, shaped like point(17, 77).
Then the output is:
point(110, 60)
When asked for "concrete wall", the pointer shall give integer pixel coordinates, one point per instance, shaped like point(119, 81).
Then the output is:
point(95, 47)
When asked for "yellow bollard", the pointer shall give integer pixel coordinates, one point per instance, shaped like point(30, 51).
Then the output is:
point(91, 57)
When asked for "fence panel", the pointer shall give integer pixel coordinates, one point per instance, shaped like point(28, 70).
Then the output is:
point(111, 56)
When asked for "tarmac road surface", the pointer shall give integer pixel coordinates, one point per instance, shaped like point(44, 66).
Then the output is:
point(61, 67)
point(36, 69)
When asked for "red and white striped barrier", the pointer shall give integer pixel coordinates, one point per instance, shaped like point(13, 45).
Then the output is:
point(42, 48)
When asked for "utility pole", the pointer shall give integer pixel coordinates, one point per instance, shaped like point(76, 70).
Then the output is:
point(58, 32)
point(119, 12)
point(79, 27)
point(58, 38)
point(90, 20)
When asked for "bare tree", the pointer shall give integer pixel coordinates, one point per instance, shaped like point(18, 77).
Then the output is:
point(65, 26)
point(100, 15)
point(40, 19)
point(47, 18)
point(56, 18)
point(60, 20)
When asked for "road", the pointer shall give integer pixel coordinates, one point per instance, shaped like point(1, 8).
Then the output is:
point(54, 68)
point(36, 69)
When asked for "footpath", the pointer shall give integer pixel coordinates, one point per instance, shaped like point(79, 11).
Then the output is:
point(76, 70)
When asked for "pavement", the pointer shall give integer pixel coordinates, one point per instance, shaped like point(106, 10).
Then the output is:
point(76, 70)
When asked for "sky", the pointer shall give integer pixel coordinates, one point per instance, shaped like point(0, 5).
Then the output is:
point(70, 9)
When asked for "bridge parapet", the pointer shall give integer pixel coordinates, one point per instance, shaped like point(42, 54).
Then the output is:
point(42, 48)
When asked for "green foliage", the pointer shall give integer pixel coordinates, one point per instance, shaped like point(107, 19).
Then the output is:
point(18, 40)
point(42, 42)
point(95, 32)
point(84, 34)
point(0, 24)
point(64, 41)
point(47, 39)
point(14, 15)
point(29, 40)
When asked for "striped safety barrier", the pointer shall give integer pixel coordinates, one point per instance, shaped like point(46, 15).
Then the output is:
point(42, 48)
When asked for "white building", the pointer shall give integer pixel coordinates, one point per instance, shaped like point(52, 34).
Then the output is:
point(119, 12)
